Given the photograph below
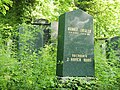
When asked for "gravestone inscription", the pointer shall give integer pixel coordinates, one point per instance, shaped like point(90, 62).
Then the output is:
point(75, 55)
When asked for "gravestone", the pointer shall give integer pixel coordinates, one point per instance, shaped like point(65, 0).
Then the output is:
point(54, 28)
point(75, 55)
point(102, 44)
point(44, 26)
point(113, 44)
point(35, 35)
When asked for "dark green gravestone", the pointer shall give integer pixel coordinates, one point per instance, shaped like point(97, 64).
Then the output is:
point(113, 44)
point(75, 55)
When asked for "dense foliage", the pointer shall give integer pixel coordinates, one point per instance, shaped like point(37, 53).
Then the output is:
point(106, 16)
point(5, 5)
point(25, 69)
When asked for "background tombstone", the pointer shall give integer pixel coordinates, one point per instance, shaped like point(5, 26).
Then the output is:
point(54, 27)
point(113, 44)
point(44, 25)
point(36, 35)
point(102, 44)
point(75, 55)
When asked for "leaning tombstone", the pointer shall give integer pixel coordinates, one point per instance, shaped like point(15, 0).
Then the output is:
point(75, 54)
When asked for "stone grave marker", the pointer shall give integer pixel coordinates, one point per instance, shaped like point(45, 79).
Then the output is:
point(113, 44)
point(37, 34)
point(75, 55)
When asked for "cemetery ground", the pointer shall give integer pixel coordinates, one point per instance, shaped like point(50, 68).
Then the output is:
point(36, 70)
point(32, 74)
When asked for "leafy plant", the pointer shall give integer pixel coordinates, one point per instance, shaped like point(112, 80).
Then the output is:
point(4, 5)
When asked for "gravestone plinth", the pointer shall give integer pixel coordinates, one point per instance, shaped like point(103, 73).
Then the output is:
point(75, 55)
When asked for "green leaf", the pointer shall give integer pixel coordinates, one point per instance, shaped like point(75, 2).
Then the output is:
point(6, 1)
point(3, 11)
point(0, 3)
point(6, 7)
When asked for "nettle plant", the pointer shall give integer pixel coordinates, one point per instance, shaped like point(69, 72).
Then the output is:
point(31, 68)
point(107, 68)
point(113, 51)
point(37, 63)
point(26, 40)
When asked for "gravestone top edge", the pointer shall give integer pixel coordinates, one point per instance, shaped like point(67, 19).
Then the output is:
point(77, 11)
